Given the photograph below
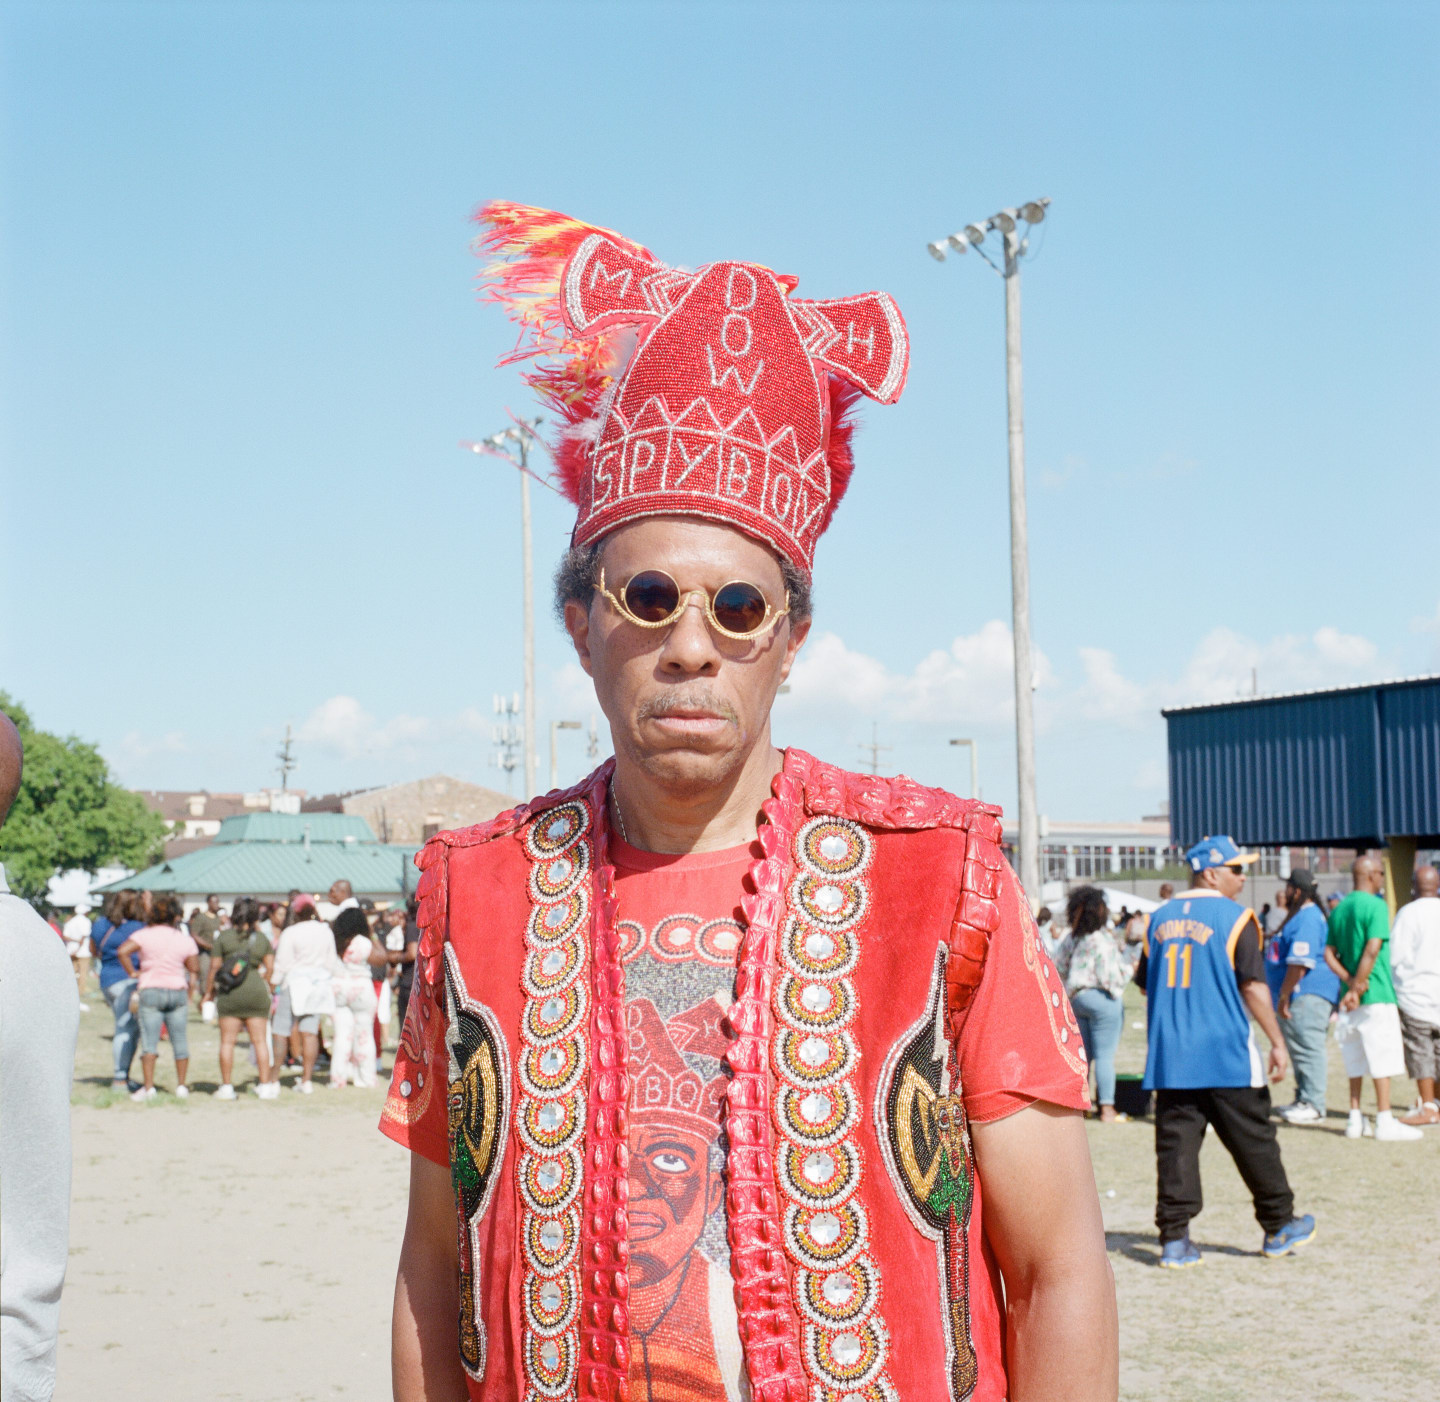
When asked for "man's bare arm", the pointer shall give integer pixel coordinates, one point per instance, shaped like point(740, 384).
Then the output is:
point(424, 1348)
point(1042, 1219)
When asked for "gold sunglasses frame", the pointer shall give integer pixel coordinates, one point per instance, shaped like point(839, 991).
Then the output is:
point(772, 614)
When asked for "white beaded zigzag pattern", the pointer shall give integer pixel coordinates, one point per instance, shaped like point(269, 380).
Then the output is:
point(552, 1095)
point(816, 1109)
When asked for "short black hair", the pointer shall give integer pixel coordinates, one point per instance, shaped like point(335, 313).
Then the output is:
point(578, 576)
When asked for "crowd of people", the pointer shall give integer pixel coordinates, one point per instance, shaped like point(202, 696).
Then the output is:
point(272, 969)
point(1334, 967)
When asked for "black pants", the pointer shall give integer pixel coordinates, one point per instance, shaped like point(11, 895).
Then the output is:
point(1241, 1118)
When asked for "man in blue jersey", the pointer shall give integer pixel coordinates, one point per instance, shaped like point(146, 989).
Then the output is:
point(1201, 969)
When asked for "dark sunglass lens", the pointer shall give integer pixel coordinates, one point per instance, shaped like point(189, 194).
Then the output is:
point(651, 596)
point(740, 608)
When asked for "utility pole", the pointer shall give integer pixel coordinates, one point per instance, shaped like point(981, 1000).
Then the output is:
point(875, 747)
point(286, 755)
point(592, 740)
point(974, 766)
point(514, 444)
point(555, 727)
point(1015, 246)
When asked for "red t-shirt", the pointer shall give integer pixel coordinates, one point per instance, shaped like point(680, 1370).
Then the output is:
point(680, 919)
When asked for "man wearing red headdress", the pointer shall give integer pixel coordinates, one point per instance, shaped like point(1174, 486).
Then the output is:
point(728, 1071)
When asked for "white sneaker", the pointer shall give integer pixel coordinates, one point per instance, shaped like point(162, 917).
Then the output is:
point(268, 1090)
point(1387, 1127)
point(142, 1096)
point(1300, 1114)
point(1356, 1126)
point(182, 1092)
point(305, 1087)
point(226, 1092)
point(84, 1007)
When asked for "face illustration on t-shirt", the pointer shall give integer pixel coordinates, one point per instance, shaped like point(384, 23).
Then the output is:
point(679, 919)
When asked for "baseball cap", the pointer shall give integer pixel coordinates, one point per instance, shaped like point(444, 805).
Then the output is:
point(1218, 851)
point(1303, 880)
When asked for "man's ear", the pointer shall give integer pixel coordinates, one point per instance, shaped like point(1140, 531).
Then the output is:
point(798, 633)
point(577, 624)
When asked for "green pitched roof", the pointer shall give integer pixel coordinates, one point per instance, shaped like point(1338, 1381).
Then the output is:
point(271, 869)
point(293, 827)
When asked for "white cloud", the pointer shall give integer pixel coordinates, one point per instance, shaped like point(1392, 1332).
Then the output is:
point(342, 726)
point(1226, 665)
point(135, 748)
point(971, 681)
point(1106, 695)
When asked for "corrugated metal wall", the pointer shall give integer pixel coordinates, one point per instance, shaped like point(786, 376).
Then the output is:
point(1341, 768)
point(1410, 758)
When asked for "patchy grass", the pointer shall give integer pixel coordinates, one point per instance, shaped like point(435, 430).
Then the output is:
point(1351, 1316)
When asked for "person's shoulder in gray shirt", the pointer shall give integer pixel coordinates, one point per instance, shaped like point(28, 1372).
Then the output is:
point(39, 1018)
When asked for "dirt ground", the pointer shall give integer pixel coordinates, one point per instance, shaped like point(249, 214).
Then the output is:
point(247, 1250)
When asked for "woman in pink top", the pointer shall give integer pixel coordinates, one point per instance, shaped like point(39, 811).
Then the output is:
point(168, 959)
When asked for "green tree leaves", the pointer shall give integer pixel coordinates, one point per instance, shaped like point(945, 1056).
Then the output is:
point(69, 813)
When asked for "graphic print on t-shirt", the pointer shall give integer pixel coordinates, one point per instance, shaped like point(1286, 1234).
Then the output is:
point(679, 983)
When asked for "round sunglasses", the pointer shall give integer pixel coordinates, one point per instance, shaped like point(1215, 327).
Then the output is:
point(737, 610)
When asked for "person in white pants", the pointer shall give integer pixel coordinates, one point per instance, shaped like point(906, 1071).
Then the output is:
point(354, 1051)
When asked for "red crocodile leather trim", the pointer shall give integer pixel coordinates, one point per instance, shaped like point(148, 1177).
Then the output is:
point(432, 892)
point(604, 1248)
point(886, 803)
point(769, 1328)
point(977, 917)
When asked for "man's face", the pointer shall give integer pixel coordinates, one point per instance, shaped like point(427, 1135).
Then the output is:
point(212, 904)
point(1229, 880)
point(685, 703)
point(337, 893)
point(672, 1192)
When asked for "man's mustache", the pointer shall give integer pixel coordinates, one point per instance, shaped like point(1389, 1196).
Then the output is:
point(671, 703)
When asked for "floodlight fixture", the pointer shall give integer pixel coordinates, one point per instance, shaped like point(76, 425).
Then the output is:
point(958, 242)
point(937, 250)
point(974, 234)
point(1004, 221)
point(1034, 212)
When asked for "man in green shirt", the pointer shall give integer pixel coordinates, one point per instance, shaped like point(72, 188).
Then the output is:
point(1357, 948)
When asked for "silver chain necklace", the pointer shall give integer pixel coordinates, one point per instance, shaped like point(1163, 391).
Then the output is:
point(619, 818)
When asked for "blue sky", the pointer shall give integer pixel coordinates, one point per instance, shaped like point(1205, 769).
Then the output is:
point(242, 345)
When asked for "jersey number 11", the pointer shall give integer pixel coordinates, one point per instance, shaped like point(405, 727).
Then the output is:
point(1178, 954)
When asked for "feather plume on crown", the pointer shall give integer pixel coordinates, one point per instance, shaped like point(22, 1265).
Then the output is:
point(572, 375)
point(575, 376)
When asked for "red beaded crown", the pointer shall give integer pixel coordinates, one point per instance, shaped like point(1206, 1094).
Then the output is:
point(712, 393)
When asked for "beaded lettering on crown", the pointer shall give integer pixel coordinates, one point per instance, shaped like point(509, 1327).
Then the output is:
point(816, 1109)
point(552, 1101)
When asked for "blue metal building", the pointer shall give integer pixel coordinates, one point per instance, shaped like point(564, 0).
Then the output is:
point(1355, 767)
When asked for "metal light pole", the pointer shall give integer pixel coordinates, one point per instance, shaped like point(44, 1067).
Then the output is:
point(513, 444)
point(1015, 245)
point(555, 727)
point(974, 766)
